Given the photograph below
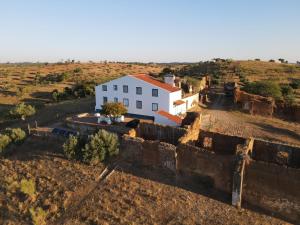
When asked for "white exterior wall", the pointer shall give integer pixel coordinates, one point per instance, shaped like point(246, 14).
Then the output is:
point(146, 97)
point(174, 96)
point(190, 100)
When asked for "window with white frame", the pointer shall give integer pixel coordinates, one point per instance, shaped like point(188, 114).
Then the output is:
point(115, 87)
point(126, 102)
point(139, 104)
point(115, 99)
point(104, 87)
point(154, 106)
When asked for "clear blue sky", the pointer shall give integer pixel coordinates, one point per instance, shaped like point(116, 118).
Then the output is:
point(149, 30)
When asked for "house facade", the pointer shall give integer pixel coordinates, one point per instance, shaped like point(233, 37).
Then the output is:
point(143, 95)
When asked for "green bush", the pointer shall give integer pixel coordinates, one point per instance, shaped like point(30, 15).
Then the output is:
point(295, 84)
point(38, 216)
point(28, 187)
point(17, 135)
point(70, 147)
point(4, 142)
point(101, 145)
point(264, 88)
point(22, 111)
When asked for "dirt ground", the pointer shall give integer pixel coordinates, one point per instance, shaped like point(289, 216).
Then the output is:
point(72, 193)
point(223, 117)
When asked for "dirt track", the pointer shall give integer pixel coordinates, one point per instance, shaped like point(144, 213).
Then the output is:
point(221, 116)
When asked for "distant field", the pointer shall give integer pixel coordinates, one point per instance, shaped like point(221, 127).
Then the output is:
point(14, 76)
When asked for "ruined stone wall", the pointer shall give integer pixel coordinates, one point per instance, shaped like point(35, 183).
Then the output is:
point(276, 153)
point(200, 165)
point(192, 123)
point(159, 132)
point(254, 104)
point(219, 143)
point(148, 152)
point(274, 188)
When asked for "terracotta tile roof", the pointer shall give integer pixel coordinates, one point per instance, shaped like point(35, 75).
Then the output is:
point(157, 83)
point(178, 102)
point(171, 117)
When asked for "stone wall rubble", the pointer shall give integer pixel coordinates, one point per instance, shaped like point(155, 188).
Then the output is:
point(265, 174)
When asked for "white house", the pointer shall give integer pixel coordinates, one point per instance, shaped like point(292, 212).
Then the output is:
point(146, 97)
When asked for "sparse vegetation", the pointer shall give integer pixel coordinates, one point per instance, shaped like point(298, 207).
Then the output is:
point(38, 216)
point(17, 135)
point(28, 187)
point(4, 142)
point(101, 145)
point(22, 110)
point(72, 147)
point(264, 88)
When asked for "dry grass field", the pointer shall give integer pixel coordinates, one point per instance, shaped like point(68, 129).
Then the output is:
point(18, 82)
point(14, 76)
point(69, 192)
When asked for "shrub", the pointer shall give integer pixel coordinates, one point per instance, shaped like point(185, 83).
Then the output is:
point(38, 216)
point(28, 187)
point(264, 88)
point(22, 111)
point(295, 84)
point(4, 142)
point(100, 146)
point(113, 109)
point(17, 135)
point(77, 70)
point(286, 90)
point(70, 147)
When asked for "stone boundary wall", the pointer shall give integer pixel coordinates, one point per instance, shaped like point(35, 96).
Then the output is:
point(194, 164)
point(84, 127)
point(266, 175)
point(152, 131)
point(276, 153)
point(254, 104)
point(148, 152)
point(219, 143)
point(273, 188)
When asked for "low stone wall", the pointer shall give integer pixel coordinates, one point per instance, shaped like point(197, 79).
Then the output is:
point(219, 143)
point(276, 153)
point(200, 165)
point(151, 131)
point(254, 104)
point(148, 152)
point(89, 128)
point(274, 188)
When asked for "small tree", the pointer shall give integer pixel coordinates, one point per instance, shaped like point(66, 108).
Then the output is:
point(70, 147)
point(4, 142)
point(113, 109)
point(17, 135)
point(22, 111)
point(100, 146)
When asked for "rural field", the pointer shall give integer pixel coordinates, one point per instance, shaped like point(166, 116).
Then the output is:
point(38, 183)
point(70, 192)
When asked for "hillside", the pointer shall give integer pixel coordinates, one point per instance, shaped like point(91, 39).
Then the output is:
point(34, 83)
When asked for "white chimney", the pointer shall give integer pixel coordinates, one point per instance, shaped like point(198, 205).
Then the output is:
point(170, 79)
